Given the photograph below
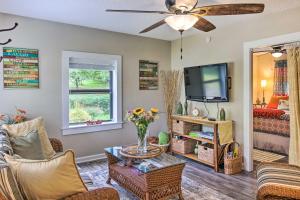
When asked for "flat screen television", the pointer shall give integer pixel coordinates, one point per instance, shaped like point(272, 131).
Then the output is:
point(207, 83)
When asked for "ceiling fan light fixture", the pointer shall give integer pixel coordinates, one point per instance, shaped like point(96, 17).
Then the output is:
point(277, 53)
point(181, 22)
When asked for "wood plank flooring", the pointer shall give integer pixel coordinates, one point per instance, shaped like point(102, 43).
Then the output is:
point(240, 187)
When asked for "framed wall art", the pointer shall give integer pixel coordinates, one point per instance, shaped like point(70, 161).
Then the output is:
point(148, 75)
point(20, 68)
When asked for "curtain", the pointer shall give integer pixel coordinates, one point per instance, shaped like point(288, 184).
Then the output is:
point(294, 92)
point(280, 87)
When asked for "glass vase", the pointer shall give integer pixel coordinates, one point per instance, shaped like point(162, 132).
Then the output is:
point(142, 131)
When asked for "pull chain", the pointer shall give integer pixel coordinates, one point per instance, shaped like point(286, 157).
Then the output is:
point(181, 31)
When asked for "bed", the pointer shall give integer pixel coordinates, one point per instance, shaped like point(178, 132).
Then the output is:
point(271, 129)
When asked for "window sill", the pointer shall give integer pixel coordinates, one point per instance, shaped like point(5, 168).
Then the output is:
point(79, 129)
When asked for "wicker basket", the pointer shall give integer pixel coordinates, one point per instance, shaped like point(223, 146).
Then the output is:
point(232, 165)
point(206, 153)
point(164, 147)
point(183, 146)
point(181, 127)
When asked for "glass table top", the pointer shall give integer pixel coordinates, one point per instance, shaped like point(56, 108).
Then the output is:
point(147, 165)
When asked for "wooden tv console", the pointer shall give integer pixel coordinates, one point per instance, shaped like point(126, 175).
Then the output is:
point(217, 149)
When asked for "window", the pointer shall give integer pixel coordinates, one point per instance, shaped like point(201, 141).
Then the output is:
point(91, 92)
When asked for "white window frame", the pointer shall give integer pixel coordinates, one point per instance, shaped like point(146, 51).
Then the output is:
point(113, 62)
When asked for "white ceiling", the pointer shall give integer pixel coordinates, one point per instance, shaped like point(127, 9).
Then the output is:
point(91, 13)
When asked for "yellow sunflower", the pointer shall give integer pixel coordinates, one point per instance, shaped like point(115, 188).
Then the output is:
point(154, 110)
point(138, 111)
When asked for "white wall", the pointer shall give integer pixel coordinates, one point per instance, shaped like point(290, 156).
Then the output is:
point(227, 46)
point(51, 39)
point(264, 71)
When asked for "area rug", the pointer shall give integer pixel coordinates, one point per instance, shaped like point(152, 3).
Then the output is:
point(95, 175)
point(265, 156)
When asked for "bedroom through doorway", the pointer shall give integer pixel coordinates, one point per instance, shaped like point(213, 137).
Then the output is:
point(271, 126)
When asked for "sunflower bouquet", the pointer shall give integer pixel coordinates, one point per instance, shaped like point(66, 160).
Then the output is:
point(141, 119)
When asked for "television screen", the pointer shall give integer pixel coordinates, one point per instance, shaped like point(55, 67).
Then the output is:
point(207, 83)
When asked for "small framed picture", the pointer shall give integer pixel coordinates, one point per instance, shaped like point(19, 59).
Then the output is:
point(148, 75)
point(20, 68)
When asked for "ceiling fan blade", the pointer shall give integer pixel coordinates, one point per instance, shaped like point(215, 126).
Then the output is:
point(139, 11)
point(230, 9)
point(153, 26)
point(204, 25)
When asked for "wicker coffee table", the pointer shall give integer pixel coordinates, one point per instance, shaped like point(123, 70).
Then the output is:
point(149, 179)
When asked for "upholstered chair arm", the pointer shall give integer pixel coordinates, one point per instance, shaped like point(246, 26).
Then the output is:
point(98, 194)
point(56, 144)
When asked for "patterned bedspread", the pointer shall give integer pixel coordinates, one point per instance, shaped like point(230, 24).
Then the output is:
point(272, 126)
point(268, 113)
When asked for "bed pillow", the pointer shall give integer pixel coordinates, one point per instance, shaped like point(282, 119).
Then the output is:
point(267, 113)
point(273, 104)
point(56, 178)
point(28, 146)
point(22, 129)
point(283, 104)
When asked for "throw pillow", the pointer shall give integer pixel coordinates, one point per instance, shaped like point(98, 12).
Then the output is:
point(56, 178)
point(283, 104)
point(273, 104)
point(8, 184)
point(21, 129)
point(28, 146)
point(5, 145)
point(163, 138)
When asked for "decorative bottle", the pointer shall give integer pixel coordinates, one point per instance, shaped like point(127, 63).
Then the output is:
point(222, 114)
point(185, 108)
point(179, 109)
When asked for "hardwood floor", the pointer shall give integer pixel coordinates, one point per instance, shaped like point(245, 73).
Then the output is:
point(240, 187)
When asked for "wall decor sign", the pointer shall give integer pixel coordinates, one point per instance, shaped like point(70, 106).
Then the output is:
point(20, 68)
point(148, 75)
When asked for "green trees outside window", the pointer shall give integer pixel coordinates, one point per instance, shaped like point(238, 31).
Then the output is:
point(90, 95)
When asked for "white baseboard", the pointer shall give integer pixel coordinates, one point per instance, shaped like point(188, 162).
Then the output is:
point(90, 158)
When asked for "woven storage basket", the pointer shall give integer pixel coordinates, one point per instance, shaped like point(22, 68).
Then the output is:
point(232, 165)
point(181, 127)
point(164, 147)
point(183, 146)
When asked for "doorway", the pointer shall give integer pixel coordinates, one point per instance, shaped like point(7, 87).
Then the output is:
point(248, 90)
point(271, 116)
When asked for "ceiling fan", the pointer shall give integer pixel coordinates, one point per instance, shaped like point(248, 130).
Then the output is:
point(276, 50)
point(183, 14)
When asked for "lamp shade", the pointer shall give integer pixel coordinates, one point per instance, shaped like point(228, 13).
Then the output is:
point(276, 54)
point(181, 22)
point(263, 83)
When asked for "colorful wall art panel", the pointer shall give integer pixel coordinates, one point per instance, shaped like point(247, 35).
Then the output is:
point(148, 75)
point(20, 68)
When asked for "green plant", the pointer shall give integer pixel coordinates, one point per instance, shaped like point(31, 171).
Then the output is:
point(78, 114)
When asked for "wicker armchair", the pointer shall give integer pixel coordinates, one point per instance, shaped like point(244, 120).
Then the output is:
point(98, 194)
point(278, 181)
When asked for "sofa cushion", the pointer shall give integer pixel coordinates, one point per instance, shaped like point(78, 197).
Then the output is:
point(56, 178)
point(22, 129)
point(28, 146)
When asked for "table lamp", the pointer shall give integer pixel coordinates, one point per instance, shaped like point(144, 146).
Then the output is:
point(263, 84)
